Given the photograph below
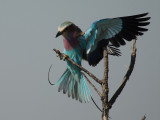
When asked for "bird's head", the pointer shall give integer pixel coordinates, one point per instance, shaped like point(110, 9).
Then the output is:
point(63, 28)
point(67, 27)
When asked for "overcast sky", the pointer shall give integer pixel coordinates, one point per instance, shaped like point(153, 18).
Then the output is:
point(27, 37)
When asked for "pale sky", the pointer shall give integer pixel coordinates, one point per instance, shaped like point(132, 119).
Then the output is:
point(27, 37)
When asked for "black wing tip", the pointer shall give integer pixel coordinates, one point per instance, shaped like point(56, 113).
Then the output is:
point(137, 16)
point(142, 14)
point(145, 13)
point(146, 23)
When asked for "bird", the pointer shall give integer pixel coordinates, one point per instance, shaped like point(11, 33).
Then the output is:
point(78, 45)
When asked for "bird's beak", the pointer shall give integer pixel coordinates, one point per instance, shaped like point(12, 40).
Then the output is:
point(58, 34)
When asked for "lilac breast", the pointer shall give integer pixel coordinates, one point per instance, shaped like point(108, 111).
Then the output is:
point(70, 42)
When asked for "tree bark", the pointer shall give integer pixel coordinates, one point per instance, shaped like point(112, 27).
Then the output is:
point(105, 89)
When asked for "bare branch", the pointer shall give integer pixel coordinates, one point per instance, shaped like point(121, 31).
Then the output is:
point(105, 88)
point(92, 85)
point(144, 117)
point(127, 75)
point(96, 104)
point(61, 55)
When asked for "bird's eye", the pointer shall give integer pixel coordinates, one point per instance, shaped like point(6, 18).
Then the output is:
point(66, 29)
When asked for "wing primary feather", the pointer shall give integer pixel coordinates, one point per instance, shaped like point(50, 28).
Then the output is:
point(133, 31)
point(120, 40)
point(114, 42)
point(144, 19)
point(135, 16)
point(126, 35)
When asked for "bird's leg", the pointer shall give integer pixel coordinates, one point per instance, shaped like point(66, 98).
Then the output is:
point(65, 56)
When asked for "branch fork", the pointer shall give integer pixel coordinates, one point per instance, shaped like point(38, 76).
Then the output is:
point(106, 104)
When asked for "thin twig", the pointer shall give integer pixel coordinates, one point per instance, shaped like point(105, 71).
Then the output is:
point(127, 75)
point(86, 71)
point(143, 118)
point(48, 76)
point(92, 85)
point(96, 104)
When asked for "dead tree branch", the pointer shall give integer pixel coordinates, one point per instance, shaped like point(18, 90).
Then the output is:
point(143, 118)
point(86, 71)
point(127, 75)
point(105, 89)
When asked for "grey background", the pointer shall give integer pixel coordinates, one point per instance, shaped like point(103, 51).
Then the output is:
point(27, 36)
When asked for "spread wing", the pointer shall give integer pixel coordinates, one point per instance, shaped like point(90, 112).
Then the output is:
point(116, 31)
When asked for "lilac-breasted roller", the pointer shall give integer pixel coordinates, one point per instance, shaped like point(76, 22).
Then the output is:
point(89, 46)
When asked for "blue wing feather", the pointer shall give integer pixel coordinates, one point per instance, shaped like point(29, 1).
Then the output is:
point(114, 30)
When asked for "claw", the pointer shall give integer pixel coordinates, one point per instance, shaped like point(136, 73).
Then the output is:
point(65, 56)
point(59, 54)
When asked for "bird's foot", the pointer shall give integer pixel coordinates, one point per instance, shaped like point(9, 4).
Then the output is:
point(59, 54)
point(65, 56)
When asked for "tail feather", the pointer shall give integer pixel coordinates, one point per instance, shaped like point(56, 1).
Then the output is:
point(61, 78)
point(67, 85)
point(77, 89)
point(85, 92)
point(80, 93)
point(70, 88)
point(64, 78)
